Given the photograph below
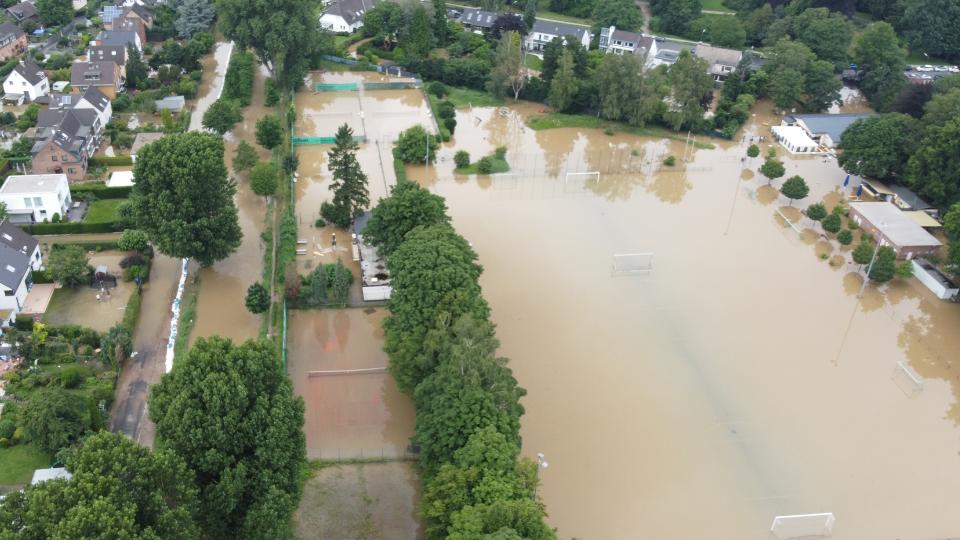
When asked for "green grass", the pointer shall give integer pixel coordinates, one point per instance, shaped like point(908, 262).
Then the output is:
point(102, 211)
point(917, 58)
point(340, 40)
point(534, 62)
point(561, 120)
point(465, 97)
point(546, 14)
point(499, 166)
point(17, 463)
point(188, 314)
point(714, 5)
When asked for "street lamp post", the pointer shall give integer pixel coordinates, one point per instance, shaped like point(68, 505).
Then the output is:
point(873, 259)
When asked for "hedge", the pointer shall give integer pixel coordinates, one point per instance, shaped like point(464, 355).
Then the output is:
point(101, 191)
point(42, 276)
point(67, 228)
point(132, 312)
point(108, 161)
point(104, 245)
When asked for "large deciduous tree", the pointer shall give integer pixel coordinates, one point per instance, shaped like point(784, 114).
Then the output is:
point(879, 146)
point(435, 280)
point(797, 76)
point(942, 107)
point(183, 198)
point(222, 115)
point(690, 84)
point(877, 52)
point(934, 168)
point(69, 265)
point(624, 14)
point(628, 91)
point(229, 411)
point(827, 33)
point(53, 419)
point(720, 31)
point(282, 32)
point(509, 71)
point(409, 206)
point(932, 27)
point(54, 12)
point(118, 490)
point(675, 15)
point(416, 145)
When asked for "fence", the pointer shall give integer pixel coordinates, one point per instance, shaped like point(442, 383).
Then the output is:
point(393, 85)
point(393, 70)
point(336, 87)
point(361, 454)
point(300, 141)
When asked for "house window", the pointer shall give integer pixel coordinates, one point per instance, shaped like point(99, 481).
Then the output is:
point(38, 202)
point(8, 293)
point(71, 170)
point(53, 157)
point(28, 202)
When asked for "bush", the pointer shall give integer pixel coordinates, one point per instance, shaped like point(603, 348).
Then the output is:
point(416, 145)
point(753, 151)
point(450, 124)
point(609, 131)
point(238, 82)
point(338, 214)
point(222, 115)
point(133, 240)
point(670, 161)
point(7, 428)
point(446, 110)
point(852, 225)
point(134, 259)
point(319, 223)
point(108, 161)
point(437, 88)
point(845, 237)
point(72, 376)
point(269, 133)
point(500, 153)
point(258, 298)
point(832, 223)
point(24, 323)
point(67, 228)
point(271, 94)
point(816, 212)
point(461, 159)
point(485, 165)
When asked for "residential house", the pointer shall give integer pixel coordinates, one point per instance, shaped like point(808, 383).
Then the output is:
point(13, 41)
point(17, 239)
point(174, 104)
point(345, 15)
point(137, 12)
point(893, 228)
point(667, 52)
point(141, 140)
point(720, 62)
point(544, 32)
point(16, 279)
point(104, 76)
point(22, 11)
point(109, 53)
point(33, 198)
point(26, 83)
point(825, 129)
point(128, 24)
point(67, 137)
point(479, 20)
point(79, 4)
point(94, 99)
point(108, 13)
point(615, 41)
point(119, 37)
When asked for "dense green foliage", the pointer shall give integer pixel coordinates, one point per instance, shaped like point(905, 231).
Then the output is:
point(238, 82)
point(794, 188)
point(269, 133)
point(53, 419)
point(54, 12)
point(877, 52)
point(221, 116)
point(244, 157)
point(264, 178)
point(416, 145)
point(258, 299)
point(409, 206)
point(884, 266)
point(69, 266)
point(229, 411)
point(879, 146)
point(133, 240)
point(118, 490)
point(183, 199)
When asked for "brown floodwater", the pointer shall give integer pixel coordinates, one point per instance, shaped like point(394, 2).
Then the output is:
point(739, 380)
point(210, 87)
point(220, 302)
point(81, 305)
point(354, 414)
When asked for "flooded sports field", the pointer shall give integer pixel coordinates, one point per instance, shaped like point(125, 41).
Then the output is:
point(336, 358)
point(740, 378)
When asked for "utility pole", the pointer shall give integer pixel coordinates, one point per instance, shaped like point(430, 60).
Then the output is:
point(873, 259)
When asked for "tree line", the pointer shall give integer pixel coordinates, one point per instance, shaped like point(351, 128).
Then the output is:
point(443, 351)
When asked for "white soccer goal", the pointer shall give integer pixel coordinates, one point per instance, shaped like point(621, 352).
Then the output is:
point(803, 526)
point(907, 379)
point(505, 180)
point(632, 263)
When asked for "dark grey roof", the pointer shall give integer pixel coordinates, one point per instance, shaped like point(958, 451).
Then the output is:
point(10, 31)
point(141, 12)
point(23, 10)
point(50, 117)
point(117, 37)
point(830, 124)
point(29, 70)
point(108, 53)
point(351, 10)
point(93, 74)
point(16, 238)
point(170, 103)
point(625, 37)
point(478, 17)
point(909, 197)
point(71, 133)
point(14, 265)
point(96, 98)
point(560, 29)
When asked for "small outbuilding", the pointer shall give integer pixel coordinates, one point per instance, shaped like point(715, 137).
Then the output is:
point(120, 179)
point(795, 139)
point(141, 140)
point(939, 284)
point(894, 228)
point(174, 104)
point(53, 473)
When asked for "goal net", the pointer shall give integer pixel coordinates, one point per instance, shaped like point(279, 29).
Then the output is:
point(907, 379)
point(803, 526)
point(632, 263)
point(576, 182)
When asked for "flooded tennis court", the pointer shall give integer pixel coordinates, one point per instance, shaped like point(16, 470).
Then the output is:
point(336, 361)
point(738, 380)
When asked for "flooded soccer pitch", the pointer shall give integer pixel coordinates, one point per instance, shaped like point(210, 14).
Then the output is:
point(739, 380)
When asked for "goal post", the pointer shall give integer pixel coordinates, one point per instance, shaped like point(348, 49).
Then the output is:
point(907, 379)
point(575, 182)
point(632, 263)
point(803, 526)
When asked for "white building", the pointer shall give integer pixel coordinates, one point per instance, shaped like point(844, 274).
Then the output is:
point(120, 179)
point(826, 129)
point(94, 100)
point(795, 139)
point(32, 198)
point(53, 473)
point(345, 15)
point(19, 257)
point(544, 32)
point(25, 83)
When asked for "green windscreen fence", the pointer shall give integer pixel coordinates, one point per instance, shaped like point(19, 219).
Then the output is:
point(336, 87)
point(388, 85)
point(300, 141)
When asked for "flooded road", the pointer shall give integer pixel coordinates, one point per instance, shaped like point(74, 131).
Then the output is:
point(740, 379)
point(210, 87)
point(220, 302)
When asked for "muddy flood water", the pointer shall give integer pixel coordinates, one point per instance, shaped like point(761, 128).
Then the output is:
point(739, 380)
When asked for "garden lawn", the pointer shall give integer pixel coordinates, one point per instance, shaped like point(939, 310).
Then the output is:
point(714, 5)
point(465, 97)
point(17, 463)
point(561, 120)
point(102, 211)
point(534, 62)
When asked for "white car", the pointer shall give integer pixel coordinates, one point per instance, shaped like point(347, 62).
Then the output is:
point(941, 68)
point(923, 68)
point(953, 69)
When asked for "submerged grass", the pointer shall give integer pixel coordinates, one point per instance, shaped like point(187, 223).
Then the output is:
point(561, 120)
point(466, 97)
point(496, 166)
point(188, 315)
